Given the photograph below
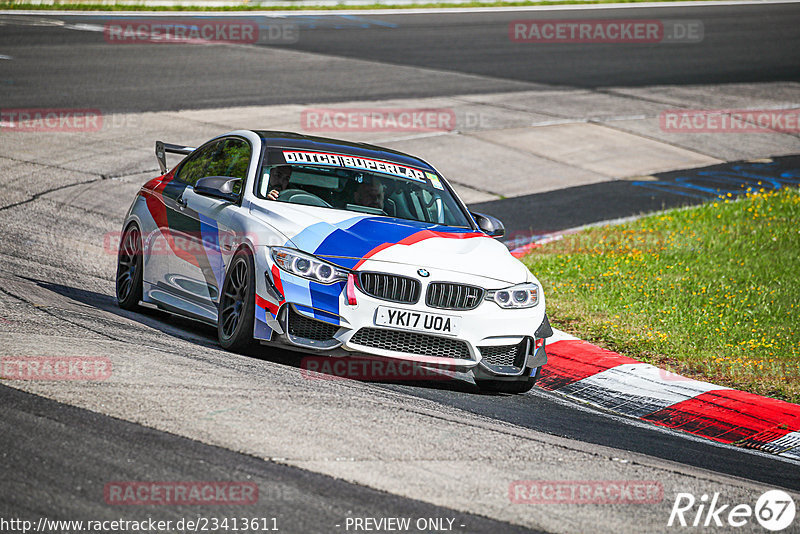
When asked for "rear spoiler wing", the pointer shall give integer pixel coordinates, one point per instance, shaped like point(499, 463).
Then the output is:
point(161, 153)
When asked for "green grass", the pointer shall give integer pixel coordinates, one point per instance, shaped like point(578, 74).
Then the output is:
point(711, 292)
point(91, 6)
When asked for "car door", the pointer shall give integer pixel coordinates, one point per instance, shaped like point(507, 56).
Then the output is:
point(172, 289)
point(209, 221)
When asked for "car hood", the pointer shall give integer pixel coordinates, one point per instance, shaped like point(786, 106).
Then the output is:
point(349, 240)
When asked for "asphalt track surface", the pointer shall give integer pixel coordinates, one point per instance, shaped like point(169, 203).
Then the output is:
point(67, 486)
point(370, 56)
point(743, 43)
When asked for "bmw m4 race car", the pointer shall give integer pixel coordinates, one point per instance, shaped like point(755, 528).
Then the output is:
point(326, 246)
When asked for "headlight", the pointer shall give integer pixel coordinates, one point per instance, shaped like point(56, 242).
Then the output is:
point(307, 266)
point(521, 296)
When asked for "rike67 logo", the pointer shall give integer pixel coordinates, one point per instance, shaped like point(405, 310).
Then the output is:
point(774, 511)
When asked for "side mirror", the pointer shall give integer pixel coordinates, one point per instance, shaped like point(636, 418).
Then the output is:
point(217, 187)
point(489, 225)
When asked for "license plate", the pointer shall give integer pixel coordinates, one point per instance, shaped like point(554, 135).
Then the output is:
point(419, 321)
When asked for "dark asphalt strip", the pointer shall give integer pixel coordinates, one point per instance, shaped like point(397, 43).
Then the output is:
point(407, 56)
point(546, 412)
point(740, 43)
point(553, 211)
point(57, 459)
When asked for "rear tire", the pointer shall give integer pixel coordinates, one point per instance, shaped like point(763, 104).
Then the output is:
point(522, 385)
point(236, 313)
point(129, 269)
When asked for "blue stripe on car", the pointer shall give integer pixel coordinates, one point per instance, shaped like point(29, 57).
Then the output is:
point(369, 233)
point(344, 243)
point(325, 300)
point(209, 233)
point(311, 237)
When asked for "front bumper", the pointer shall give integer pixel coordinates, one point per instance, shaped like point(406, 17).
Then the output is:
point(492, 342)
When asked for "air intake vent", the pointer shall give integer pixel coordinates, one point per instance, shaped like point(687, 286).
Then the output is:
point(505, 359)
point(449, 296)
point(303, 327)
point(389, 287)
point(499, 354)
point(411, 343)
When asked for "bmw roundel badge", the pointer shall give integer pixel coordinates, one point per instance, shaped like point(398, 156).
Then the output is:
point(423, 273)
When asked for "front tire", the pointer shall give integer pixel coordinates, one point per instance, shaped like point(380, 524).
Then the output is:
point(237, 303)
point(129, 269)
point(522, 385)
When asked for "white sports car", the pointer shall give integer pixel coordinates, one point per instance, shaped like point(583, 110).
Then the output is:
point(327, 246)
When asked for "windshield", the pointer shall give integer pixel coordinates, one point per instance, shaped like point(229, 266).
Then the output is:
point(402, 192)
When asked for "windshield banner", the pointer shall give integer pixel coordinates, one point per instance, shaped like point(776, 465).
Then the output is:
point(353, 162)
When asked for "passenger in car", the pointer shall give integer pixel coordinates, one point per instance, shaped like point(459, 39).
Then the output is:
point(370, 194)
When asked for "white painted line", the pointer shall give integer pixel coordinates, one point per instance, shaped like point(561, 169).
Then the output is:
point(558, 236)
point(788, 445)
point(596, 120)
point(412, 137)
point(559, 335)
point(556, 122)
point(84, 27)
point(410, 11)
point(636, 389)
point(619, 118)
point(5, 57)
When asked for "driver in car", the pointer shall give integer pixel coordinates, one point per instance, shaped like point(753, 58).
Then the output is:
point(370, 194)
point(279, 180)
